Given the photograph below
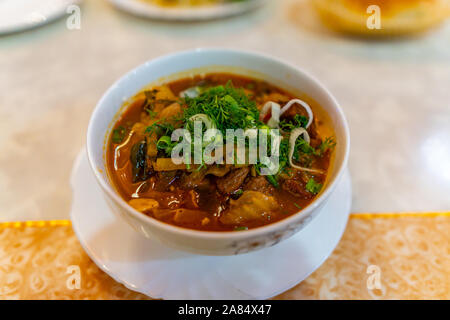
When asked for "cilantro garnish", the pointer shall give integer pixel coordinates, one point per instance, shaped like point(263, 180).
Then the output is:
point(313, 187)
point(226, 106)
point(118, 134)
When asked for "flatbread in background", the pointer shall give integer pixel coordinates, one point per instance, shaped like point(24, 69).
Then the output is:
point(398, 17)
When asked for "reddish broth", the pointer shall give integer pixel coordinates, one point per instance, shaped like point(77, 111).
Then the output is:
point(203, 205)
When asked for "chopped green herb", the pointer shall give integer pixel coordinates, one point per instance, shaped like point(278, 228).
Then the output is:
point(303, 146)
point(273, 181)
point(313, 187)
point(118, 134)
point(304, 153)
point(297, 122)
point(151, 113)
point(240, 228)
point(160, 128)
point(299, 207)
point(326, 145)
point(226, 106)
point(165, 144)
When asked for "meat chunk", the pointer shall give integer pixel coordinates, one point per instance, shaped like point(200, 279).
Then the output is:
point(252, 207)
point(294, 110)
point(233, 180)
point(210, 200)
point(165, 180)
point(296, 188)
point(170, 113)
point(260, 184)
point(195, 180)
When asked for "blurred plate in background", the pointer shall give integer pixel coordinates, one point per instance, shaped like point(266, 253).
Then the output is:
point(152, 10)
point(20, 15)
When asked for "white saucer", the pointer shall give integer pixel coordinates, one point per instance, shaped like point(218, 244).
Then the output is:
point(19, 15)
point(153, 11)
point(159, 272)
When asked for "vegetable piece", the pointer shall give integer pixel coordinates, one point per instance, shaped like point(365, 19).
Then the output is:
point(273, 181)
point(313, 187)
point(193, 92)
point(160, 97)
point(165, 143)
point(166, 164)
point(143, 205)
point(275, 109)
point(252, 206)
point(206, 120)
point(233, 180)
point(152, 149)
point(209, 124)
point(138, 158)
point(139, 129)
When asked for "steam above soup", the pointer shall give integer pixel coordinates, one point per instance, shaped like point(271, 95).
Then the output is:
point(206, 193)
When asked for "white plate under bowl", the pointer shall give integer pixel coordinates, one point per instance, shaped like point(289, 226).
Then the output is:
point(19, 15)
point(153, 11)
point(148, 267)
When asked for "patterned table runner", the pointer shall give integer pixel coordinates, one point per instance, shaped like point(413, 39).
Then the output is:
point(381, 256)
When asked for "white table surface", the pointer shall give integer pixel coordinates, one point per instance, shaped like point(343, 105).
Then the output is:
point(396, 95)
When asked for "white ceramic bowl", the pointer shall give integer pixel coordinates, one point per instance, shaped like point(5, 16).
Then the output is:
point(179, 65)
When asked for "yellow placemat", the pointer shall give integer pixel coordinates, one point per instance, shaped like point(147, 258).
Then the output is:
point(398, 256)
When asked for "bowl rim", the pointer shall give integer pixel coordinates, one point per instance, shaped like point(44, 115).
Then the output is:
point(219, 235)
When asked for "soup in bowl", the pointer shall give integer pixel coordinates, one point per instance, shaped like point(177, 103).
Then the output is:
point(216, 151)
